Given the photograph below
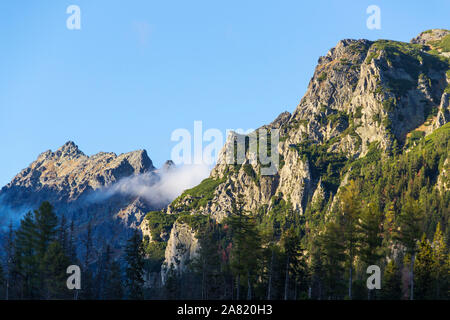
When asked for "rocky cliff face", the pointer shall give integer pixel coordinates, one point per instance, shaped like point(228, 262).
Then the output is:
point(77, 186)
point(362, 94)
point(181, 249)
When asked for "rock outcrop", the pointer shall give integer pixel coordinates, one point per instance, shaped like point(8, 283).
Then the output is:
point(181, 249)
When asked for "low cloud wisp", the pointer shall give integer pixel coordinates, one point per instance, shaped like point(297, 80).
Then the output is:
point(157, 188)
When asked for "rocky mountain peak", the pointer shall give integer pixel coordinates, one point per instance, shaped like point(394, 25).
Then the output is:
point(81, 188)
point(430, 36)
point(168, 165)
point(69, 150)
point(139, 160)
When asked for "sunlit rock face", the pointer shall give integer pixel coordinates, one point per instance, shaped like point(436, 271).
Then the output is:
point(362, 93)
point(77, 186)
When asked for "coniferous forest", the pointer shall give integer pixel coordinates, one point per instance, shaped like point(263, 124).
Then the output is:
point(389, 215)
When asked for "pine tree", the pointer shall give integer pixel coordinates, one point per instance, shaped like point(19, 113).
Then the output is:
point(391, 287)
point(408, 233)
point(440, 265)
point(423, 270)
point(54, 281)
point(62, 233)
point(317, 270)
point(332, 257)
point(46, 227)
point(9, 260)
point(46, 223)
point(26, 265)
point(135, 267)
point(114, 287)
point(112, 277)
point(350, 213)
point(246, 244)
point(71, 250)
point(369, 229)
point(294, 264)
point(207, 263)
point(2, 284)
point(87, 291)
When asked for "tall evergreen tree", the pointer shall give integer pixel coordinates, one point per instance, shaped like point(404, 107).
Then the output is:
point(113, 287)
point(46, 224)
point(423, 270)
point(245, 253)
point(391, 288)
point(135, 267)
point(294, 265)
point(2, 284)
point(54, 281)
point(87, 290)
point(350, 213)
point(440, 265)
point(26, 264)
point(9, 259)
point(207, 263)
point(408, 233)
point(369, 229)
point(332, 257)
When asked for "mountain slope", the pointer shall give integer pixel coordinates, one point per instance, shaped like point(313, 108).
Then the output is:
point(367, 101)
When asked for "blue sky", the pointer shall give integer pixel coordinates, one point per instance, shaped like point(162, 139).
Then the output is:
point(137, 70)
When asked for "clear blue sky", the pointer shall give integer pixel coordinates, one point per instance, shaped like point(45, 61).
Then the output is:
point(137, 70)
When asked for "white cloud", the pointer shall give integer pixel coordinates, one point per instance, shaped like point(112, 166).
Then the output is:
point(160, 188)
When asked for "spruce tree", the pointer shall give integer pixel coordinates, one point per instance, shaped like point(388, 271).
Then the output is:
point(423, 270)
point(246, 244)
point(391, 286)
point(54, 281)
point(440, 265)
point(134, 255)
point(369, 228)
point(408, 233)
point(113, 286)
point(46, 227)
point(207, 263)
point(111, 277)
point(350, 213)
point(294, 265)
point(46, 223)
point(26, 263)
point(332, 250)
point(87, 289)
point(9, 260)
point(2, 284)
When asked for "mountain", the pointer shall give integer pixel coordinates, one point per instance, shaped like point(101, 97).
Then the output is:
point(362, 179)
point(85, 190)
point(371, 107)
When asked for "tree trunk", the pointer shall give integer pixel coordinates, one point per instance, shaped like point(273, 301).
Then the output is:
point(204, 295)
point(350, 283)
point(249, 288)
point(411, 278)
point(238, 285)
point(286, 280)
point(269, 289)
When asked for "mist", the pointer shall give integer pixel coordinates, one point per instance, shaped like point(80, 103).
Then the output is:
point(10, 215)
point(158, 188)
